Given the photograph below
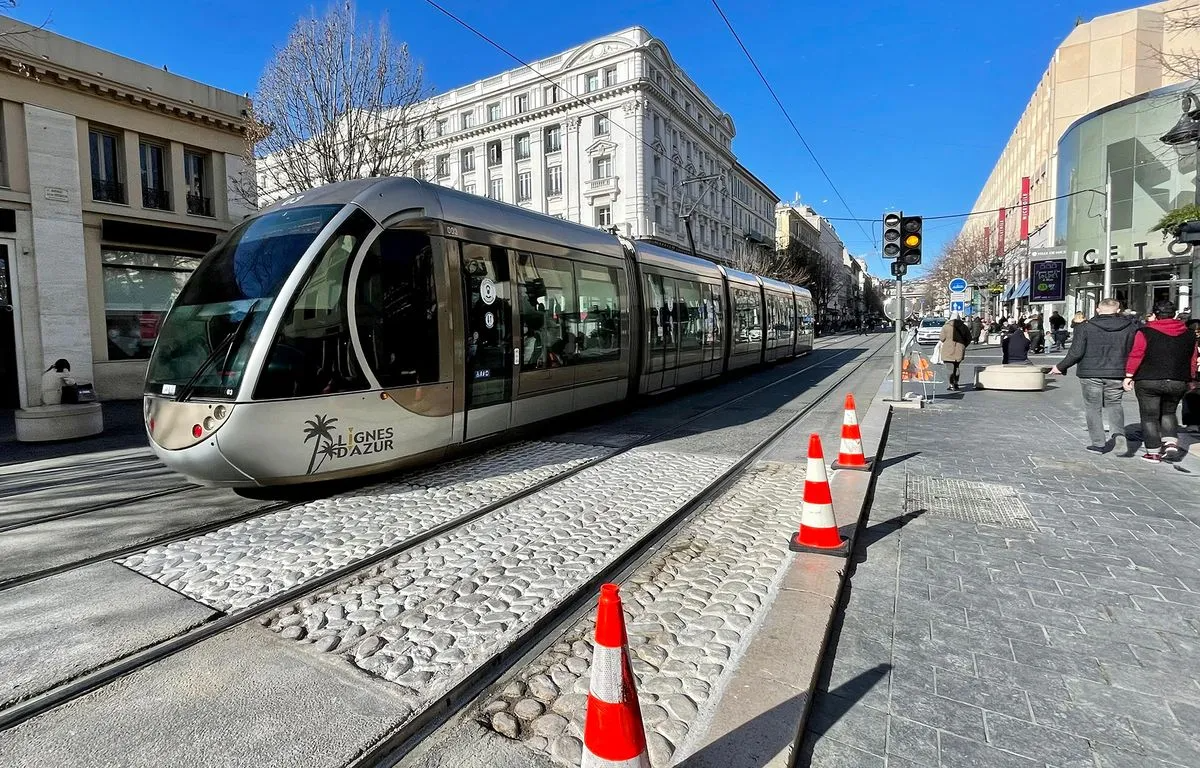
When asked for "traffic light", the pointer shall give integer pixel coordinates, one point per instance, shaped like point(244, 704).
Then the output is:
point(910, 239)
point(891, 234)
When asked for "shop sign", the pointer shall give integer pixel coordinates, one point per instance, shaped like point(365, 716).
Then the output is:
point(1047, 281)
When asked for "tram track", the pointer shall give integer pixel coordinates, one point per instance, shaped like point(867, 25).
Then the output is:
point(116, 669)
point(99, 507)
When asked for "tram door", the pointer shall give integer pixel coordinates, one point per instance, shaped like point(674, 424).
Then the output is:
point(9, 396)
point(487, 296)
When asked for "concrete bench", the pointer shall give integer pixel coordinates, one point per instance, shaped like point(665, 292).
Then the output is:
point(58, 422)
point(1017, 377)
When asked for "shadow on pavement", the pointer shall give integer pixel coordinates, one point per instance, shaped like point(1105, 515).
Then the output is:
point(882, 530)
point(894, 460)
point(830, 706)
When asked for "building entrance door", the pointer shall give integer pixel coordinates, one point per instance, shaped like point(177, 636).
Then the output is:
point(9, 394)
point(1156, 292)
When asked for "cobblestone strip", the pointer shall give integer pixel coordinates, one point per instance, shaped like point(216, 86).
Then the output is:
point(246, 563)
point(430, 617)
point(688, 612)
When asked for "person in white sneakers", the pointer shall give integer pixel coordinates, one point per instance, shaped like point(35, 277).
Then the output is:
point(1160, 370)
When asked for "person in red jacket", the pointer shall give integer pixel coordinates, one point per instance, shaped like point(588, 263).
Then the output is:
point(1161, 369)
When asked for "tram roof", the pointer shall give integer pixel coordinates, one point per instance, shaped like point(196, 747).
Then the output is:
point(385, 197)
point(654, 255)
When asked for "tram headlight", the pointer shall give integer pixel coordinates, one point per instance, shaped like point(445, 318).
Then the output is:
point(209, 423)
point(220, 412)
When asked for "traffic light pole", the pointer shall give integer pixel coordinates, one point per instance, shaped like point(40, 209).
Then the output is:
point(897, 355)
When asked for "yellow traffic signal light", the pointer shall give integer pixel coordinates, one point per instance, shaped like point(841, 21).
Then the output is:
point(912, 241)
point(910, 251)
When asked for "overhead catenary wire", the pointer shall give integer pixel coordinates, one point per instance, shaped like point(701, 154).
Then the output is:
point(572, 97)
point(813, 155)
point(981, 213)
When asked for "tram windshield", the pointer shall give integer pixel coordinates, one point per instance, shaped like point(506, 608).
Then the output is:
point(207, 337)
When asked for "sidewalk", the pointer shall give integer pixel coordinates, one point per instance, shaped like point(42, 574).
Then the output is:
point(1016, 601)
point(123, 428)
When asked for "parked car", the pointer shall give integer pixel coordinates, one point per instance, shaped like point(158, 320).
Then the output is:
point(930, 330)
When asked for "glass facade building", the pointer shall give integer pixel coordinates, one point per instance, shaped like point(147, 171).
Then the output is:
point(1148, 178)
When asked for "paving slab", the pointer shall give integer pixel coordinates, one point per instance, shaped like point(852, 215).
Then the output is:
point(1043, 614)
point(58, 628)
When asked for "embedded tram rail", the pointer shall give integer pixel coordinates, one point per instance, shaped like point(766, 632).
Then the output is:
point(399, 740)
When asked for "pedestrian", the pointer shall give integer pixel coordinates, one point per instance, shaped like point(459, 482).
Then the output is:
point(1019, 344)
point(1058, 325)
point(1100, 348)
point(954, 340)
point(1079, 319)
point(1161, 369)
point(1037, 333)
point(1191, 401)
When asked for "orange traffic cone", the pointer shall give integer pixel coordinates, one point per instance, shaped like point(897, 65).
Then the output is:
point(904, 372)
point(850, 455)
point(818, 528)
point(613, 733)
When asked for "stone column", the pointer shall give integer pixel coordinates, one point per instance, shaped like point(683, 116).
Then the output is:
point(574, 176)
point(58, 244)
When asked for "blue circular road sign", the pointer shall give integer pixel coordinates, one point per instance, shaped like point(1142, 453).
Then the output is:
point(958, 285)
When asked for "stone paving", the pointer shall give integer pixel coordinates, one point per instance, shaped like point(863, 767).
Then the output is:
point(1072, 642)
point(243, 564)
point(689, 611)
point(429, 617)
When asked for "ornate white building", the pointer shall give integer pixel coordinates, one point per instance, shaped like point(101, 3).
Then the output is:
point(609, 133)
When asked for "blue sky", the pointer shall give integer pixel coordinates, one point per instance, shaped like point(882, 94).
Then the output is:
point(907, 103)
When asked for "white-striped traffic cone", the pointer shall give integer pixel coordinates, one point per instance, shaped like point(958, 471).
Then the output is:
point(818, 527)
point(850, 454)
point(613, 733)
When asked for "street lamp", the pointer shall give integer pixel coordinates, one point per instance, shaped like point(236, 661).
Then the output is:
point(1185, 137)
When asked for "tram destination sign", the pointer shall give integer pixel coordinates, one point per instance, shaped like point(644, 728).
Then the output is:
point(1047, 275)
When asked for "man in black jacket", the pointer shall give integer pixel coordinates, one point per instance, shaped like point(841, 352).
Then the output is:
point(1100, 349)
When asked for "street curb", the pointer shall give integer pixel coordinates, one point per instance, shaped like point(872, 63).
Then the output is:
point(765, 704)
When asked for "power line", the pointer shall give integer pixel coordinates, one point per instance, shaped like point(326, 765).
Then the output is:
point(678, 163)
point(980, 213)
point(791, 122)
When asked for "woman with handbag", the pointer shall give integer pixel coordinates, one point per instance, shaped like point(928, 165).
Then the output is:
point(953, 347)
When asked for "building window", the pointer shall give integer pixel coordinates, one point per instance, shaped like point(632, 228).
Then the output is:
point(106, 167)
point(602, 125)
point(154, 177)
point(443, 127)
point(443, 166)
point(610, 76)
point(658, 167)
point(553, 138)
point(658, 215)
point(592, 81)
point(496, 189)
point(418, 170)
point(467, 159)
point(657, 127)
point(195, 175)
point(550, 95)
point(493, 112)
point(138, 291)
point(602, 167)
point(604, 216)
point(3, 156)
point(521, 103)
point(419, 135)
point(495, 155)
point(468, 120)
point(524, 186)
point(469, 189)
point(522, 144)
point(554, 180)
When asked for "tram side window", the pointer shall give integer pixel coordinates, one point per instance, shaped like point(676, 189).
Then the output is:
point(691, 327)
point(658, 322)
point(748, 327)
point(397, 309)
point(716, 328)
point(599, 324)
point(313, 353)
point(548, 320)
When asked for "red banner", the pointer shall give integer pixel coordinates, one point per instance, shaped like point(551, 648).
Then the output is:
point(1025, 208)
point(1000, 233)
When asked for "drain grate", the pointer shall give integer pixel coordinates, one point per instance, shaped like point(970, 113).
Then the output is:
point(967, 500)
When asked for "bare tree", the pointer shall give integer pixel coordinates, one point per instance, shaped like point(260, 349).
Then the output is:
point(340, 100)
point(1180, 24)
point(10, 30)
point(787, 264)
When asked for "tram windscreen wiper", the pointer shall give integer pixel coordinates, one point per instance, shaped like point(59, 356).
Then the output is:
point(226, 345)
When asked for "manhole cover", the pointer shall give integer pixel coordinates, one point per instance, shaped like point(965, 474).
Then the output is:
point(967, 500)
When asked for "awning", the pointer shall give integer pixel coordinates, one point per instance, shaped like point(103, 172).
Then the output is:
point(1007, 295)
point(1022, 290)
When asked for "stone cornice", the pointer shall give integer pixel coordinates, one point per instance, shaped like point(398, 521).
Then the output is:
point(50, 73)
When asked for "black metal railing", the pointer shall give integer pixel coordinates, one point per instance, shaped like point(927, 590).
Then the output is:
point(199, 205)
point(108, 191)
point(152, 197)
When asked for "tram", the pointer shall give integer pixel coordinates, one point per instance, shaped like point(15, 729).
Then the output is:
point(374, 324)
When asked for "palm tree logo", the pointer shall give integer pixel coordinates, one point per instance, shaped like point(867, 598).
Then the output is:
point(320, 429)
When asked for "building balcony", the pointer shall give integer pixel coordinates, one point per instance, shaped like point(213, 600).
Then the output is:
point(198, 205)
point(659, 187)
point(602, 187)
point(159, 199)
point(108, 191)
